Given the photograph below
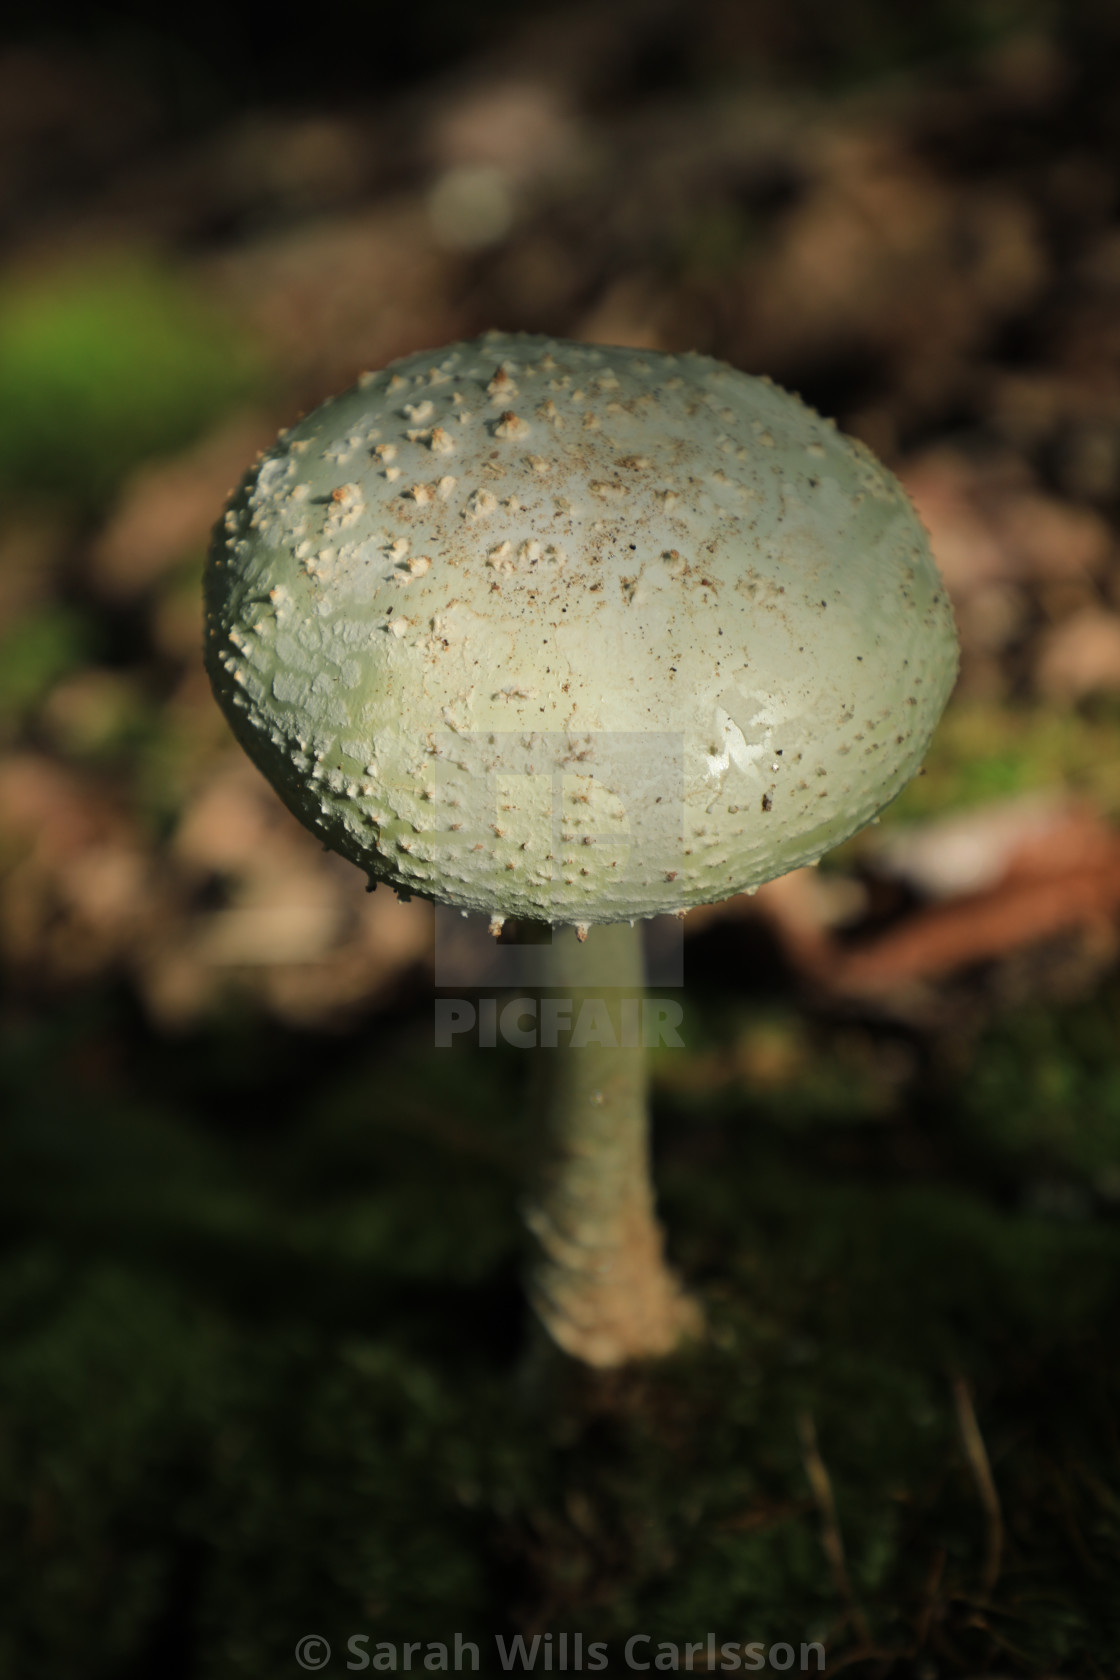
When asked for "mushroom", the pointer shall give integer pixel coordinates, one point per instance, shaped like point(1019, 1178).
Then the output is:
point(579, 636)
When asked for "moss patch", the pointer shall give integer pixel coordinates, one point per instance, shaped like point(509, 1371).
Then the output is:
point(269, 1378)
point(105, 365)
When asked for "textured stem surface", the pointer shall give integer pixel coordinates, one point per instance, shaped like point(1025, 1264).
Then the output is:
point(598, 1279)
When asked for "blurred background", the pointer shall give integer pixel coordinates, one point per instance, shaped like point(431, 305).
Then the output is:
point(262, 1351)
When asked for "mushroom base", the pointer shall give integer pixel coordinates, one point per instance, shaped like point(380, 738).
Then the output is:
point(598, 1279)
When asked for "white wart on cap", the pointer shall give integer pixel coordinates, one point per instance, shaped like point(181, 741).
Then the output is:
point(576, 634)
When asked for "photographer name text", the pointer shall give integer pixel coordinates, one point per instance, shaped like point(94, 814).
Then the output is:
point(565, 1653)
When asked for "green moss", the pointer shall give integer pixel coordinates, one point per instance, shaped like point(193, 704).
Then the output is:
point(987, 752)
point(982, 753)
point(39, 649)
point(104, 365)
point(1045, 1092)
point(265, 1374)
point(768, 1057)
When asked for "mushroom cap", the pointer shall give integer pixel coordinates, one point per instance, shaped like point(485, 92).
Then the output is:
point(573, 633)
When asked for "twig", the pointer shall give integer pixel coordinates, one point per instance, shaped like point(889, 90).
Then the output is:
point(977, 1456)
point(832, 1541)
point(930, 1596)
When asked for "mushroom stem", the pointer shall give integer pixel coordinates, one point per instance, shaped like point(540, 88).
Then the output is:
point(598, 1279)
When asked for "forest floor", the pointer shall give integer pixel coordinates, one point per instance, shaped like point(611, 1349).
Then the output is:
point(266, 1372)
